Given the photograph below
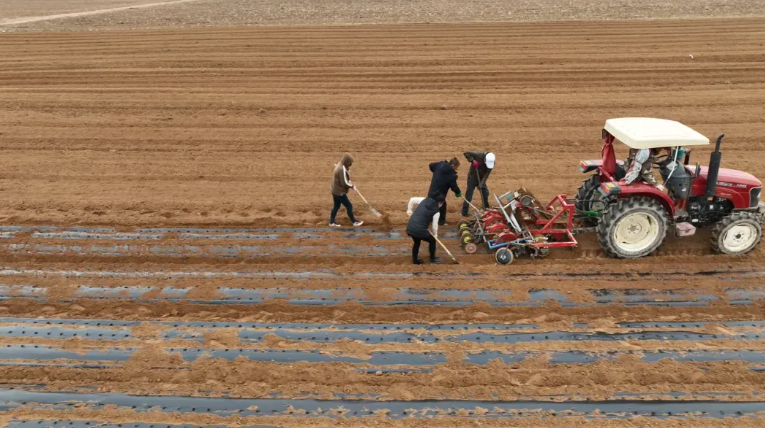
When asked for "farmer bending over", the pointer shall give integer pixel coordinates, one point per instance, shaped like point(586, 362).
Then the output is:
point(481, 165)
point(417, 228)
point(444, 179)
point(417, 201)
point(341, 184)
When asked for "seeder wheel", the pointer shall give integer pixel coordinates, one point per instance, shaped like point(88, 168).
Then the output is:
point(467, 238)
point(464, 232)
point(471, 248)
point(527, 201)
point(463, 224)
point(504, 256)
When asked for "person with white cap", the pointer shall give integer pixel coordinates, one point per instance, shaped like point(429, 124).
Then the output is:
point(481, 165)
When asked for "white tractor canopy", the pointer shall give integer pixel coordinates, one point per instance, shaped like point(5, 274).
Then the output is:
point(649, 133)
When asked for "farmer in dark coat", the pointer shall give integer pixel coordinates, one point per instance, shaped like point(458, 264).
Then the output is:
point(444, 179)
point(417, 228)
point(481, 165)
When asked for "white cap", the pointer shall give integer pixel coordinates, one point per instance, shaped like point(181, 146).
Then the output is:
point(490, 160)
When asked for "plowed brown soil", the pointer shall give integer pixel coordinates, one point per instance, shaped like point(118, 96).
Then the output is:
point(244, 126)
point(230, 128)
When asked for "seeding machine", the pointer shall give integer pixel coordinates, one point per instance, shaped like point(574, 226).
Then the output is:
point(631, 220)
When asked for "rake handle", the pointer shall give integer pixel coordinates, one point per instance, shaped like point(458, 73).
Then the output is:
point(362, 196)
point(374, 211)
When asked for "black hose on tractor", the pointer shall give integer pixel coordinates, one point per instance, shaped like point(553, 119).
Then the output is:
point(714, 170)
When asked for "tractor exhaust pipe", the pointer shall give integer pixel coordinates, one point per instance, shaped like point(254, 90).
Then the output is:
point(714, 170)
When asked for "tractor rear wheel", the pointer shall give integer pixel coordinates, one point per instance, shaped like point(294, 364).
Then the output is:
point(633, 227)
point(587, 198)
point(585, 192)
point(736, 234)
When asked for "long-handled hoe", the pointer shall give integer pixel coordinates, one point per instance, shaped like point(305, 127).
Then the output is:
point(374, 211)
point(444, 247)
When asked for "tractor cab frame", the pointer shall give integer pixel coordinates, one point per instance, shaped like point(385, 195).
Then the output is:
point(638, 134)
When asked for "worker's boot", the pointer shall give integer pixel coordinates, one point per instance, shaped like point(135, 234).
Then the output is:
point(435, 260)
point(418, 262)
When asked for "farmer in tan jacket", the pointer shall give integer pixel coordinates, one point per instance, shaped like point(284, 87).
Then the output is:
point(341, 184)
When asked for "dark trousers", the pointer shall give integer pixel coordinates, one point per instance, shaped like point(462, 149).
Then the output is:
point(416, 246)
point(442, 215)
point(471, 185)
point(344, 201)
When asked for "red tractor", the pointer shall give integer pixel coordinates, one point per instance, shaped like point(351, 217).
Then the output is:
point(632, 220)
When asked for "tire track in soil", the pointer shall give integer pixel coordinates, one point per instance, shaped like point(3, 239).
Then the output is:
point(32, 19)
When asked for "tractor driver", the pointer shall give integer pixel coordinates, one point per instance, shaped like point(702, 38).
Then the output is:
point(642, 167)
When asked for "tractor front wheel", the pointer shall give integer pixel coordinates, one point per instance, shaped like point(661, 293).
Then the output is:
point(633, 227)
point(736, 234)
